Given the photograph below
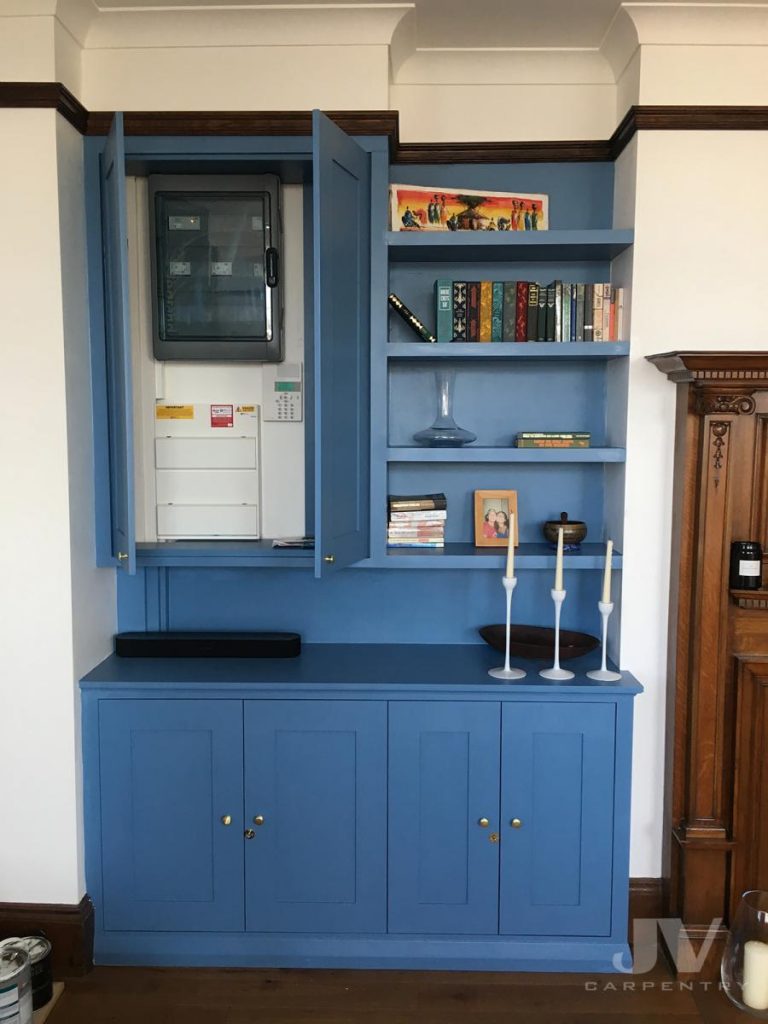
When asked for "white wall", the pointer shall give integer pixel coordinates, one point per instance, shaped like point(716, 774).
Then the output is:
point(47, 594)
point(701, 221)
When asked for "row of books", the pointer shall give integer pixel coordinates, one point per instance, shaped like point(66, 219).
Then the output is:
point(416, 520)
point(553, 439)
point(488, 311)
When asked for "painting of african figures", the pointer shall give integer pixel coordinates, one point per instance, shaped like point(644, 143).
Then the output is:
point(417, 208)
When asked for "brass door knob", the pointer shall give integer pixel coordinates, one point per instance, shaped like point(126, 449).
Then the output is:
point(249, 833)
point(226, 819)
point(122, 555)
point(330, 559)
point(516, 823)
point(483, 823)
point(259, 819)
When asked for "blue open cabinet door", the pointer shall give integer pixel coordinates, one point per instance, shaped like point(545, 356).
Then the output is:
point(118, 346)
point(342, 252)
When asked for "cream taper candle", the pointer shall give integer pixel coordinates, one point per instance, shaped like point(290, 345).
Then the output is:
point(559, 560)
point(755, 987)
point(607, 573)
point(511, 548)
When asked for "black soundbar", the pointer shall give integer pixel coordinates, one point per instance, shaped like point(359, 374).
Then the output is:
point(207, 645)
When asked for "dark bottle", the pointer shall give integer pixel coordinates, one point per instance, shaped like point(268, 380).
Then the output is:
point(746, 565)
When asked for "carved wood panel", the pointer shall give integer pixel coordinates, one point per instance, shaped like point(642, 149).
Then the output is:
point(717, 781)
point(749, 869)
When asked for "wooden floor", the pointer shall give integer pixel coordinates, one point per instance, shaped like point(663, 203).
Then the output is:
point(132, 995)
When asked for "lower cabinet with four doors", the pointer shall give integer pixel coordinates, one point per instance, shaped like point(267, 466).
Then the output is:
point(376, 831)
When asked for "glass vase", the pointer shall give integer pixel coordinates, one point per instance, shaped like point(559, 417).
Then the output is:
point(444, 432)
point(744, 967)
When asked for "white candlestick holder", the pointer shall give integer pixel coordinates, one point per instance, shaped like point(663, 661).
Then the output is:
point(510, 582)
point(558, 596)
point(604, 674)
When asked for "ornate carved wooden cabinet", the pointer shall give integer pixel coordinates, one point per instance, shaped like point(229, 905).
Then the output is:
point(716, 839)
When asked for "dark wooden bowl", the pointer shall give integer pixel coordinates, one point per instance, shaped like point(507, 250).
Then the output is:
point(538, 642)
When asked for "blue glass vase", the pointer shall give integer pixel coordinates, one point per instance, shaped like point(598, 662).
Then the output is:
point(444, 432)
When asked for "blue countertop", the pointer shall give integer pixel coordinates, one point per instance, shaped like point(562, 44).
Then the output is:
point(355, 667)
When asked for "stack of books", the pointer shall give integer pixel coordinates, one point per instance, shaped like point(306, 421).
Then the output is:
point(488, 311)
point(416, 520)
point(553, 439)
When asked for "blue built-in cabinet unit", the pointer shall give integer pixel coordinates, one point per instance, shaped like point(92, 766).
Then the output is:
point(359, 806)
point(378, 801)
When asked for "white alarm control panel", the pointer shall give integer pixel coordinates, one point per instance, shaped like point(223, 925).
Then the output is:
point(282, 392)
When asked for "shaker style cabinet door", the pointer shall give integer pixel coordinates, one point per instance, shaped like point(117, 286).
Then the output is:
point(443, 817)
point(171, 814)
point(315, 811)
point(342, 279)
point(557, 797)
point(118, 347)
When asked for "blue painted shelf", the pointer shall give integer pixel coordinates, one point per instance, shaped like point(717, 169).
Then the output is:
point(506, 246)
point(221, 553)
point(527, 556)
point(509, 350)
point(498, 454)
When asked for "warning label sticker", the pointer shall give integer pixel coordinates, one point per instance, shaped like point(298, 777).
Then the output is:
point(174, 412)
point(222, 415)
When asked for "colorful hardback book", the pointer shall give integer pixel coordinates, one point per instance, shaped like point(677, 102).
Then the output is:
point(435, 515)
point(541, 324)
point(416, 502)
point(486, 311)
point(473, 310)
point(588, 306)
point(411, 319)
point(509, 311)
point(579, 312)
point(497, 310)
point(444, 310)
point(607, 302)
point(416, 544)
point(567, 288)
point(531, 331)
point(521, 311)
point(597, 312)
point(459, 310)
point(553, 442)
point(549, 330)
point(563, 434)
point(620, 315)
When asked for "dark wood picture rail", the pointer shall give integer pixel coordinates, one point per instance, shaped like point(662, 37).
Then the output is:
point(54, 95)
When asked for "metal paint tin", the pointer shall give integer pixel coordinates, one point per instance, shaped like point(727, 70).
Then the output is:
point(38, 949)
point(15, 986)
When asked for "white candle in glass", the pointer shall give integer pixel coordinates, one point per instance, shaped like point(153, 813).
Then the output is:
point(607, 573)
point(511, 548)
point(559, 560)
point(755, 987)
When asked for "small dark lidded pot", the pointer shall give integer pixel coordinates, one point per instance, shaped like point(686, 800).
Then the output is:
point(574, 532)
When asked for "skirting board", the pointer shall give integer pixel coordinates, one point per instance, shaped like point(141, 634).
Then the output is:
point(68, 928)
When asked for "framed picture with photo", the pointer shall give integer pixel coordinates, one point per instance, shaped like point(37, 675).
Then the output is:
point(493, 513)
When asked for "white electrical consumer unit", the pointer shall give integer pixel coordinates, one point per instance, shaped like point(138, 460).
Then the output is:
point(282, 392)
point(207, 471)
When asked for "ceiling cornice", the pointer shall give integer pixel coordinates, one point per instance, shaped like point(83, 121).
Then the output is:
point(54, 95)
